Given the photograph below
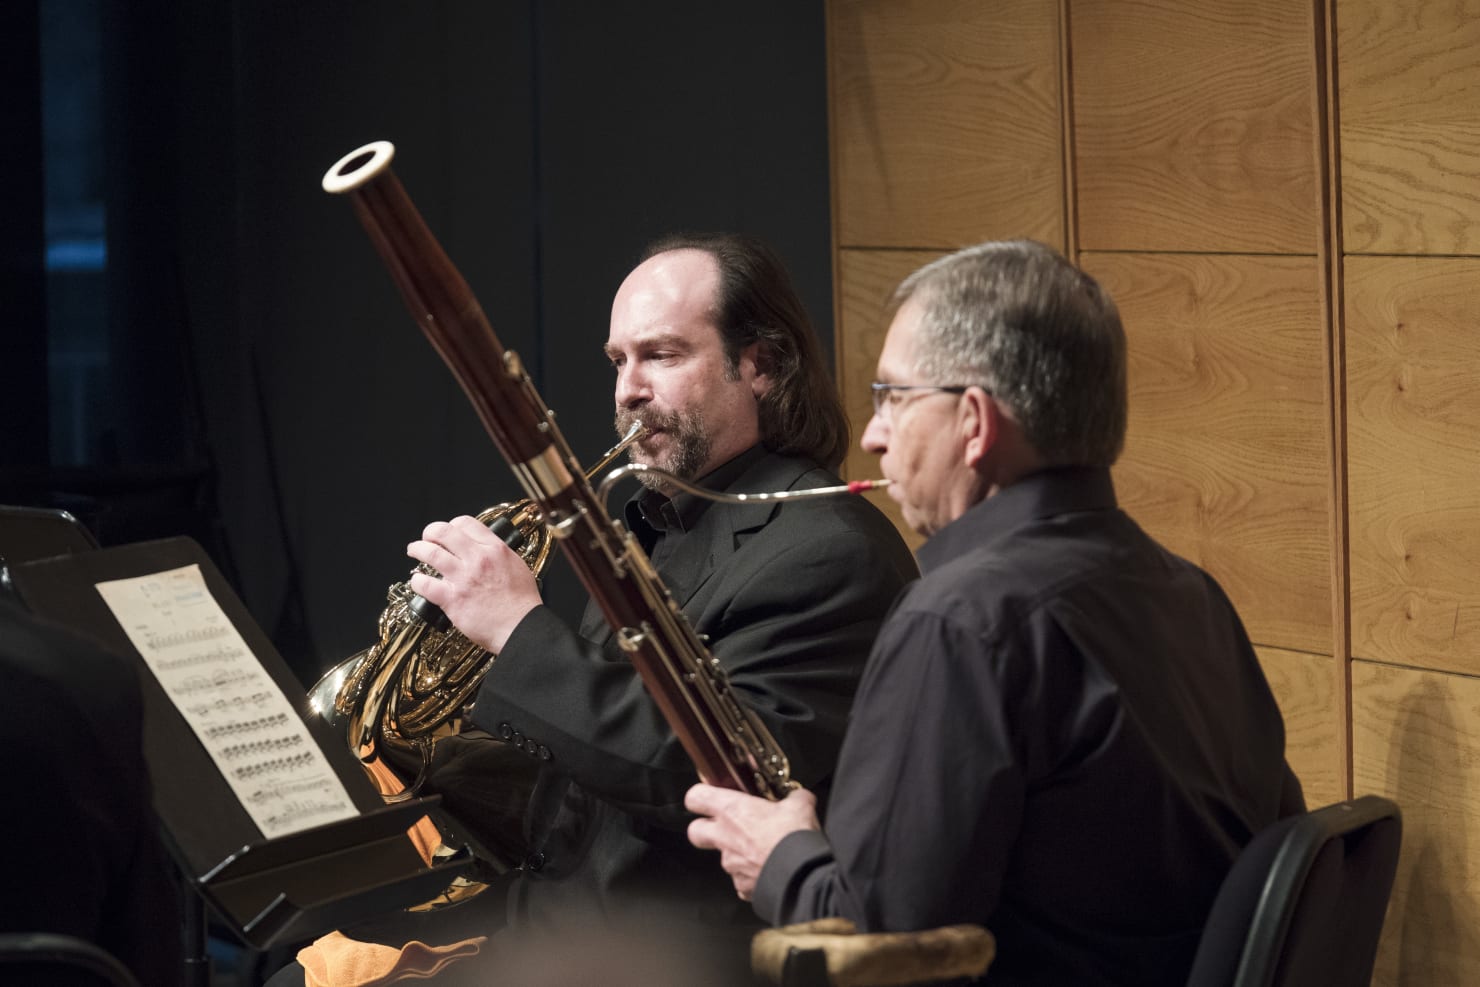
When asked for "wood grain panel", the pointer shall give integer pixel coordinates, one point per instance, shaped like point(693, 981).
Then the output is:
point(1193, 125)
point(1416, 740)
point(1409, 74)
point(1413, 422)
point(946, 121)
point(866, 279)
point(1227, 456)
point(1311, 691)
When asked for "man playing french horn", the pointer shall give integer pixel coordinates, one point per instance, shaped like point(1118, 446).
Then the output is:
point(713, 352)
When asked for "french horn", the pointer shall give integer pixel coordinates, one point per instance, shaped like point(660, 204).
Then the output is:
point(410, 687)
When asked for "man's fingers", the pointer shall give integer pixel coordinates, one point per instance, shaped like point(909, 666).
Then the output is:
point(456, 535)
point(803, 800)
point(433, 590)
point(710, 800)
point(431, 553)
point(472, 529)
point(697, 800)
point(446, 544)
point(436, 531)
point(703, 834)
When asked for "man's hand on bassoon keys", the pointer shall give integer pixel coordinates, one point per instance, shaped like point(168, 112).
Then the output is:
point(746, 828)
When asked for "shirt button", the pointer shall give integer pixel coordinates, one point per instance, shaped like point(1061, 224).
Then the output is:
point(518, 739)
point(505, 731)
point(545, 754)
point(535, 861)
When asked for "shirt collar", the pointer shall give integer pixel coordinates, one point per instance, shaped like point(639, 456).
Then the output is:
point(1060, 490)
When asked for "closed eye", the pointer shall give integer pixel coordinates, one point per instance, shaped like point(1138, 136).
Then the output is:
point(661, 348)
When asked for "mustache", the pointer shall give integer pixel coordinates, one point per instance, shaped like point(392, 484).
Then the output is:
point(656, 421)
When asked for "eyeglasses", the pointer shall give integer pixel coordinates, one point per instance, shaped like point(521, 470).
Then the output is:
point(887, 397)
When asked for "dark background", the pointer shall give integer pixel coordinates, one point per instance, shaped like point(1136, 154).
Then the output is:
point(258, 384)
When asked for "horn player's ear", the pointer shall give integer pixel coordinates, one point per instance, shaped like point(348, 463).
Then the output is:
point(761, 365)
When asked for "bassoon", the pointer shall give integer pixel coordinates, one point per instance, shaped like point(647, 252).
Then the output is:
point(727, 742)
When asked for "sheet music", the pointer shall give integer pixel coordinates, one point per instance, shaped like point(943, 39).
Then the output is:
point(247, 725)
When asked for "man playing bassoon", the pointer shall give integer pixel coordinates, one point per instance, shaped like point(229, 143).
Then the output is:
point(1063, 734)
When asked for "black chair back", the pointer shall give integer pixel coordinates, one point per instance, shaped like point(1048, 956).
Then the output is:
point(53, 960)
point(31, 533)
point(1305, 901)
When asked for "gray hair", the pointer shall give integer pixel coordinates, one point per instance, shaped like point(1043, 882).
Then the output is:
point(1017, 319)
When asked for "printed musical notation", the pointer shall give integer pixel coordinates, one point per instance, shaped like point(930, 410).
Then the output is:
point(243, 719)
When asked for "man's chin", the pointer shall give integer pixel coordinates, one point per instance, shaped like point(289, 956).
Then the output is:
point(651, 458)
point(657, 480)
point(912, 518)
point(652, 462)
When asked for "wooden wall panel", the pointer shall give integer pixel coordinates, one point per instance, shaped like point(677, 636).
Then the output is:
point(1416, 740)
point(1413, 395)
point(1193, 125)
point(946, 122)
point(1227, 457)
point(1204, 197)
point(1311, 690)
point(866, 279)
point(1409, 75)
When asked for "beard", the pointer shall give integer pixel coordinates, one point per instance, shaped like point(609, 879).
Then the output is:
point(689, 444)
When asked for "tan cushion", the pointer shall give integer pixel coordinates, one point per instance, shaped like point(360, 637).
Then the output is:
point(877, 959)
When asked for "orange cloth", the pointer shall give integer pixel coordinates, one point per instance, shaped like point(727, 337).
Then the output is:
point(423, 834)
point(339, 961)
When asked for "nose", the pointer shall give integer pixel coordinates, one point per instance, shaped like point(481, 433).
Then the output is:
point(875, 436)
point(632, 386)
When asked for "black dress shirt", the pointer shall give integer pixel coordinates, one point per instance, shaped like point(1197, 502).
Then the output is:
point(1063, 734)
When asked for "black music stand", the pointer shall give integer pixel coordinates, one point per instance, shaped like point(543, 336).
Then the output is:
point(268, 891)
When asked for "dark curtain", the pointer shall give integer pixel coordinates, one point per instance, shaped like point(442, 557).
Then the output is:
point(276, 401)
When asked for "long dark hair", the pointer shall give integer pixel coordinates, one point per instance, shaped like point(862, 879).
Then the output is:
point(801, 414)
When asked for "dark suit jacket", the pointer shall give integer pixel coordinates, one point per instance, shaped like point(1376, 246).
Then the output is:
point(789, 597)
point(82, 855)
